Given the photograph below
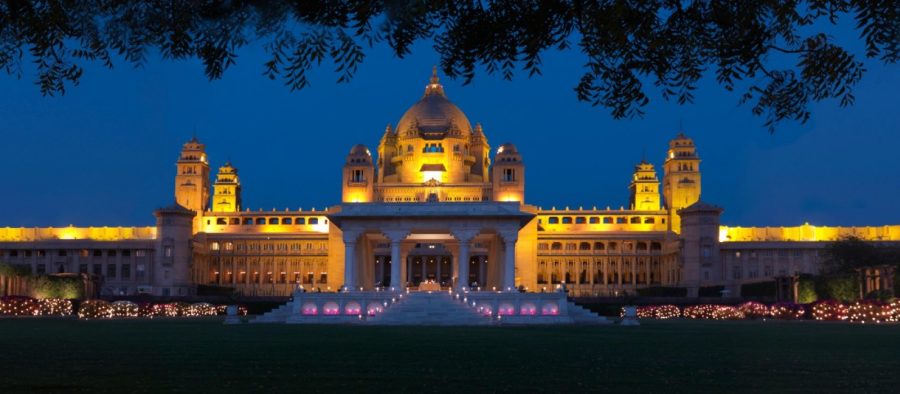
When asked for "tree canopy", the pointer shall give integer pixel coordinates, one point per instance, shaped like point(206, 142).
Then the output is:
point(774, 55)
point(850, 254)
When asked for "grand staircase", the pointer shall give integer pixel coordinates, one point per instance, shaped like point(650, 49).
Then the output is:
point(430, 309)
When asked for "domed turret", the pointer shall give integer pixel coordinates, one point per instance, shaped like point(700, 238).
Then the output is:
point(434, 115)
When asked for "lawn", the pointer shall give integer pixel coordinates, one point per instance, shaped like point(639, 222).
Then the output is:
point(66, 355)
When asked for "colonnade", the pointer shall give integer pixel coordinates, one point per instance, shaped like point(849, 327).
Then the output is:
point(464, 239)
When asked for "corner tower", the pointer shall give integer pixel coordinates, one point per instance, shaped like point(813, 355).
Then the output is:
point(192, 177)
point(359, 176)
point(681, 179)
point(644, 188)
point(508, 174)
point(227, 190)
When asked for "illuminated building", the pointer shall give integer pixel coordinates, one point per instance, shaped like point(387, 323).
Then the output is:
point(433, 202)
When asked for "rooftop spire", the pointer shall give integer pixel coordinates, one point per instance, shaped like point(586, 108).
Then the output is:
point(434, 85)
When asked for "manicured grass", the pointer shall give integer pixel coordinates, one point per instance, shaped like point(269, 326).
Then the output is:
point(66, 355)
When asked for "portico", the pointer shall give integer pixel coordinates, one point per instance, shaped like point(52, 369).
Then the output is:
point(450, 245)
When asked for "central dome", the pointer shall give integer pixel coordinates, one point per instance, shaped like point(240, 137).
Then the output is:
point(434, 112)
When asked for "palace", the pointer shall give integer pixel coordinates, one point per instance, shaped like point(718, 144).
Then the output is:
point(434, 207)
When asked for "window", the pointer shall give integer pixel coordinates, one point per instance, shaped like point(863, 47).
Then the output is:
point(635, 220)
point(543, 246)
point(235, 221)
point(167, 251)
point(111, 253)
point(61, 253)
point(13, 253)
point(85, 253)
point(260, 221)
point(358, 176)
point(301, 221)
point(140, 272)
point(649, 221)
point(313, 220)
point(553, 220)
point(705, 252)
point(98, 269)
point(140, 253)
point(556, 246)
point(598, 246)
point(287, 221)
point(126, 253)
point(98, 253)
point(111, 271)
point(580, 220)
point(41, 269)
point(248, 221)
point(567, 220)
point(214, 246)
point(620, 220)
point(607, 220)
point(82, 268)
point(594, 220)
point(273, 220)
point(221, 221)
point(126, 271)
point(509, 175)
point(584, 246)
point(229, 246)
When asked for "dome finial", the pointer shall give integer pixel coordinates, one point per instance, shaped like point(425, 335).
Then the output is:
point(434, 85)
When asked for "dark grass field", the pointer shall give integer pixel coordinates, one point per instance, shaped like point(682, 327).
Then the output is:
point(66, 355)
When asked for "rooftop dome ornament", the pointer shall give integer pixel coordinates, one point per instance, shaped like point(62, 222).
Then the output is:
point(434, 86)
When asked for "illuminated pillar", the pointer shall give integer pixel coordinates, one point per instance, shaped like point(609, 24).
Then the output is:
point(509, 264)
point(463, 264)
point(396, 264)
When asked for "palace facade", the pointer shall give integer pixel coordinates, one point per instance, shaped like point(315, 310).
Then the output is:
point(434, 205)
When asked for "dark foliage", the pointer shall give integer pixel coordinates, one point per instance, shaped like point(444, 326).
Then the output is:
point(626, 44)
point(758, 289)
point(662, 291)
point(850, 254)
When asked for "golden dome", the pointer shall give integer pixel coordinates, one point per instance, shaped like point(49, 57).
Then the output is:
point(434, 113)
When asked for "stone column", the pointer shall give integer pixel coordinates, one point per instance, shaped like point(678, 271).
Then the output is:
point(397, 260)
point(509, 265)
point(465, 237)
point(350, 260)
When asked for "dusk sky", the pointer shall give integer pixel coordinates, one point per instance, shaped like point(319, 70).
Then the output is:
point(104, 153)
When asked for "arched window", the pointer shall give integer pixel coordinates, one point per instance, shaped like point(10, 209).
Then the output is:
point(313, 220)
point(221, 221)
point(273, 220)
point(635, 220)
point(260, 221)
point(570, 246)
point(607, 220)
point(584, 246)
point(580, 220)
point(649, 221)
point(556, 246)
point(612, 246)
point(620, 220)
point(287, 221)
point(594, 220)
point(655, 246)
point(599, 246)
point(553, 220)
point(567, 220)
point(642, 246)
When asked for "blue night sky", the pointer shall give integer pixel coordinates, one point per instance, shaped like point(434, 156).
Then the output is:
point(104, 153)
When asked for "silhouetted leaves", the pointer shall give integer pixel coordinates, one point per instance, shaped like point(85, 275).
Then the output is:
point(767, 50)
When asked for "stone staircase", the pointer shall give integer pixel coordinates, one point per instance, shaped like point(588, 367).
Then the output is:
point(580, 315)
point(277, 315)
point(430, 309)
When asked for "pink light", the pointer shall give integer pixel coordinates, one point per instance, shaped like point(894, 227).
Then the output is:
point(331, 308)
point(506, 310)
point(550, 309)
point(352, 308)
point(528, 309)
point(309, 309)
point(486, 311)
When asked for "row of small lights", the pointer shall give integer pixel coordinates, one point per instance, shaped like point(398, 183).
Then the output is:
point(858, 312)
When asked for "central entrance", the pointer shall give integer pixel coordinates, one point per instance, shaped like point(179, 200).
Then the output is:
point(429, 262)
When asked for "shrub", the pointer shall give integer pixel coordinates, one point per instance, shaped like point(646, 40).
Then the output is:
point(19, 306)
point(68, 287)
point(655, 312)
point(806, 290)
point(832, 310)
point(871, 311)
point(55, 307)
point(202, 309)
point(754, 310)
point(713, 312)
point(124, 309)
point(843, 287)
point(787, 311)
point(94, 309)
